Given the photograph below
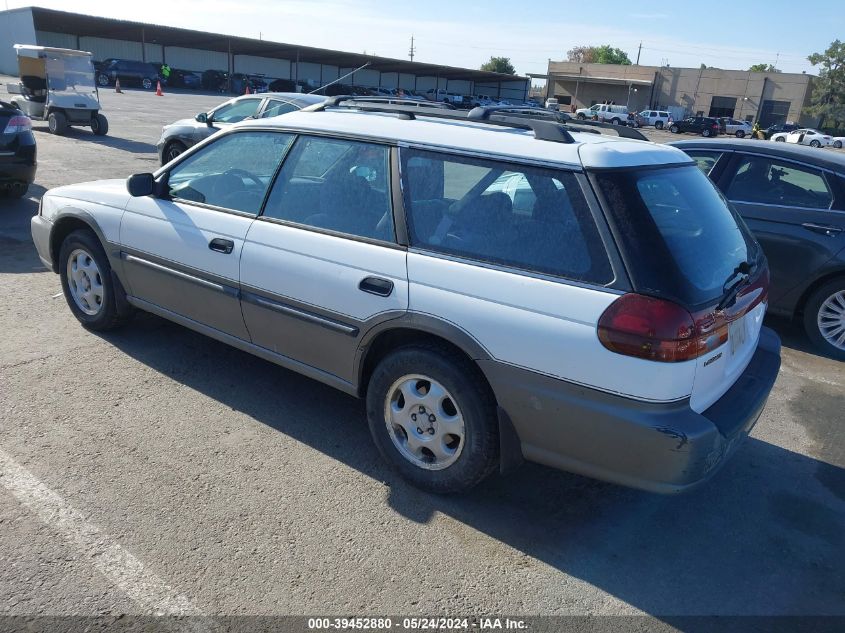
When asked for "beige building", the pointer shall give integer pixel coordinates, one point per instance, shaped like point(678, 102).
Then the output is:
point(769, 97)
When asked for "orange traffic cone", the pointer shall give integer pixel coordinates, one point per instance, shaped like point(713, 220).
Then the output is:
point(159, 93)
point(247, 90)
point(117, 86)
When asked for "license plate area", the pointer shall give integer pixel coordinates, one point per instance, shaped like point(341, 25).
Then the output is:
point(737, 335)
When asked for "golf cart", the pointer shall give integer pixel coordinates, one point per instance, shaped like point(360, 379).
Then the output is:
point(57, 85)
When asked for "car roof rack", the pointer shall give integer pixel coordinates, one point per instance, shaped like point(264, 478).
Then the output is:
point(546, 127)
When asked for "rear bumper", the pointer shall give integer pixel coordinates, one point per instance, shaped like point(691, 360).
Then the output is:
point(660, 447)
point(17, 172)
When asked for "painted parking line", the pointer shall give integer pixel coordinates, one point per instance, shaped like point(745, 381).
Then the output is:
point(120, 567)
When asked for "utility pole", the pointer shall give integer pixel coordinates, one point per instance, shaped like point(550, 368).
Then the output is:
point(413, 50)
point(639, 50)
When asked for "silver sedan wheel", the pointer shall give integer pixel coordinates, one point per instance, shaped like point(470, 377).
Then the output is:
point(424, 422)
point(831, 320)
point(85, 282)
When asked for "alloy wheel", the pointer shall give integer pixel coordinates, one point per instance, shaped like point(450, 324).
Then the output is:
point(831, 320)
point(85, 282)
point(424, 422)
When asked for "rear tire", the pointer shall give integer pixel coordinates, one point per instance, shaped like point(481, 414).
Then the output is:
point(99, 125)
point(815, 144)
point(706, 133)
point(780, 139)
point(581, 117)
point(446, 393)
point(146, 83)
point(658, 125)
point(674, 129)
point(615, 121)
point(87, 282)
point(57, 123)
point(824, 313)
point(837, 144)
point(103, 80)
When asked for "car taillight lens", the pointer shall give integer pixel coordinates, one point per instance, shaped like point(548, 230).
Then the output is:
point(18, 123)
point(660, 330)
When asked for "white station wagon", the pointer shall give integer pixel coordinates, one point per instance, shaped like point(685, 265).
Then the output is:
point(496, 287)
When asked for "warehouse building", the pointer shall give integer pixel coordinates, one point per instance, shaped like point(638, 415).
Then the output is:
point(199, 51)
point(769, 97)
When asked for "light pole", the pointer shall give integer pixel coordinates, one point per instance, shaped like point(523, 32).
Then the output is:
point(628, 104)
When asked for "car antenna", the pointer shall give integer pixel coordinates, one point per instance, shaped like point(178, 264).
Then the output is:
point(339, 78)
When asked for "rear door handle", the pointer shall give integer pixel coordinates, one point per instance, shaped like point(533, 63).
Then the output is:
point(830, 231)
point(376, 286)
point(220, 245)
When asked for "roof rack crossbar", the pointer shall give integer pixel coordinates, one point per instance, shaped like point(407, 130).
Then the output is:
point(545, 125)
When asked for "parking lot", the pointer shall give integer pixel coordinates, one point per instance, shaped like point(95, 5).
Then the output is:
point(153, 470)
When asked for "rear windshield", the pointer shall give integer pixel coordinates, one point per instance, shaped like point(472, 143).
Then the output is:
point(680, 238)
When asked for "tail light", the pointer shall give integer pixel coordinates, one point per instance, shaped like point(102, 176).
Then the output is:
point(660, 330)
point(18, 123)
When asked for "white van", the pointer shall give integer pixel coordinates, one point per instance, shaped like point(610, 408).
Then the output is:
point(615, 114)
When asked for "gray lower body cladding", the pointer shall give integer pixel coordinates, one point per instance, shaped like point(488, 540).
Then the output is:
point(660, 447)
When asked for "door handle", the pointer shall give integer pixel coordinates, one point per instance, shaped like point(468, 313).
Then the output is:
point(219, 245)
point(830, 231)
point(376, 286)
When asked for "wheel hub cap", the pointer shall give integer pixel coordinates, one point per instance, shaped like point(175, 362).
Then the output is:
point(85, 282)
point(424, 422)
point(831, 320)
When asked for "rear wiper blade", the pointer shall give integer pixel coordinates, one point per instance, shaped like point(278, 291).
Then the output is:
point(742, 274)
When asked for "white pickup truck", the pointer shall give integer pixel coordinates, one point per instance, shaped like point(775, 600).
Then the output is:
point(616, 114)
point(443, 96)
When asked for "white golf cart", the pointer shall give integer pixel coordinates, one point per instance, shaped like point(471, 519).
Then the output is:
point(57, 85)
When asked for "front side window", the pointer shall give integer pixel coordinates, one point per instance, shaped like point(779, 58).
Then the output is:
point(766, 181)
point(234, 172)
point(237, 111)
point(524, 217)
point(335, 184)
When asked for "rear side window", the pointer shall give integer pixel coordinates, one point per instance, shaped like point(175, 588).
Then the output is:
point(765, 181)
point(524, 217)
point(680, 238)
point(705, 160)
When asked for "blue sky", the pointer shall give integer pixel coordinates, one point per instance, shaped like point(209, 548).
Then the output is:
point(467, 33)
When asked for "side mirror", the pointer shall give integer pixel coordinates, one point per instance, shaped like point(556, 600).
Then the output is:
point(139, 185)
point(202, 117)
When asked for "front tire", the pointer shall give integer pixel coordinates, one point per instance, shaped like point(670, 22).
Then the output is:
point(87, 282)
point(99, 125)
point(57, 123)
point(674, 129)
point(815, 144)
point(433, 418)
point(780, 139)
point(103, 80)
point(173, 149)
point(740, 134)
point(706, 133)
point(824, 318)
point(837, 144)
point(147, 83)
point(615, 121)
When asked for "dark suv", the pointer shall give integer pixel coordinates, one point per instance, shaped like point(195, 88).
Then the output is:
point(704, 125)
point(793, 200)
point(129, 72)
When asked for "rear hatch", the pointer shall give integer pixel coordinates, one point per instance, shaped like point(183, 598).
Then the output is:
point(685, 247)
point(16, 141)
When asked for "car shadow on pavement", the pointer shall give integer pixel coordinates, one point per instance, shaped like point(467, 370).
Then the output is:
point(15, 236)
point(763, 537)
point(125, 144)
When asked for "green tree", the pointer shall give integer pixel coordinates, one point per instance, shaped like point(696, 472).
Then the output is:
point(499, 65)
point(604, 54)
point(828, 99)
point(763, 68)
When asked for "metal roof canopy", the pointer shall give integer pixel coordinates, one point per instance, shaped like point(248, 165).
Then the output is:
point(622, 81)
point(29, 50)
point(95, 26)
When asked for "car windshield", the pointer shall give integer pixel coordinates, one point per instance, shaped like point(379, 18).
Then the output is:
point(71, 73)
point(681, 238)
